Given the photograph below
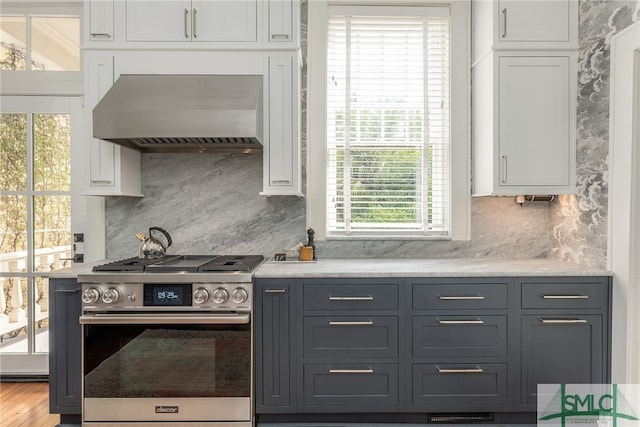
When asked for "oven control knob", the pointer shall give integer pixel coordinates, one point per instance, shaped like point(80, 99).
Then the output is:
point(200, 296)
point(110, 296)
point(239, 295)
point(220, 295)
point(90, 296)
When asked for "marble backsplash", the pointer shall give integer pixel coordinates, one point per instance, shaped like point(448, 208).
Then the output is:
point(210, 202)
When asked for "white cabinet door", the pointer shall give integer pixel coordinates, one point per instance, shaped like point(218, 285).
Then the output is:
point(159, 20)
point(535, 121)
point(184, 20)
point(224, 20)
point(100, 20)
point(534, 21)
point(282, 168)
point(99, 79)
point(280, 21)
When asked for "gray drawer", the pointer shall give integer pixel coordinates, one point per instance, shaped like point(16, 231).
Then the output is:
point(459, 336)
point(564, 295)
point(456, 296)
point(350, 297)
point(459, 387)
point(352, 387)
point(351, 337)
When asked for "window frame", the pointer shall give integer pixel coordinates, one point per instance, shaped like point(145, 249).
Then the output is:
point(460, 149)
point(29, 82)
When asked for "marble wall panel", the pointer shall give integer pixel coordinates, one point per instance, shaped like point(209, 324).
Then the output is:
point(578, 225)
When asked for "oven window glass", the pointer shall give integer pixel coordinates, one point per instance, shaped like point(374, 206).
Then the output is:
point(129, 361)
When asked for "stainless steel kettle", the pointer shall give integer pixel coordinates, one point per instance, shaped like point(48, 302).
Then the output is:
point(150, 247)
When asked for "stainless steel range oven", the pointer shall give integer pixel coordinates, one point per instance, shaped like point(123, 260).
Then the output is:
point(168, 342)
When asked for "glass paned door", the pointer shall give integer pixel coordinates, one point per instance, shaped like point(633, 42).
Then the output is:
point(35, 224)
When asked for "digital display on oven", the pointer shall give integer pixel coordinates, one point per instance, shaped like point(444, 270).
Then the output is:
point(167, 295)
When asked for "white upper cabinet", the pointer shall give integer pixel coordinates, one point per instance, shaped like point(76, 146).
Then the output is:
point(100, 18)
point(162, 24)
point(114, 170)
point(534, 21)
point(197, 20)
point(282, 155)
point(524, 97)
point(524, 24)
point(280, 21)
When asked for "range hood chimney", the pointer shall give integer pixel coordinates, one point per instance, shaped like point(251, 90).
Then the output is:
point(182, 113)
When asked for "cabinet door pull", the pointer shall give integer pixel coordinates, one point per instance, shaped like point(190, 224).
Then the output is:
point(461, 371)
point(193, 30)
point(461, 322)
point(504, 22)
point(351, 371)
point(101, 35)
point(275, 291)
point(504, 169)
point(101, 181)
point(565, 296)
point(280, 181)
point(562, 321)
point(279, 36)
point(361, 323)
point(67, 291)
point(367, 298)
point(460, 298)
point(186, 17)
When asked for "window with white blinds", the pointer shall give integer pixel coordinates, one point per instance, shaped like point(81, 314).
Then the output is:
point(388, 121)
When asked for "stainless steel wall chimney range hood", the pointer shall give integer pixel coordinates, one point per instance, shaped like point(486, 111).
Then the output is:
point(182, 113)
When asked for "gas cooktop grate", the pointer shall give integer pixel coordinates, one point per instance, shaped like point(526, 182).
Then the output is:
point(185, 263)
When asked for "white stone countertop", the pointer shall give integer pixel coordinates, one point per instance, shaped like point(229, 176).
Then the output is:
point(433, 267)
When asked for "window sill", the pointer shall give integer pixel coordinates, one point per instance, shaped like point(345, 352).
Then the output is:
point(363, 237)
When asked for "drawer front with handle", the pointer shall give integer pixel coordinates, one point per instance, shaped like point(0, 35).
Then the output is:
point(350, 297)
point(564, 295)
point(459, 336)
point(459, 387)
point(459, 296)
point(351, 387)
point(351, 337)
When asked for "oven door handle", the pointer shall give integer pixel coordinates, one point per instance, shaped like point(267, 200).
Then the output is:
point(164, 319)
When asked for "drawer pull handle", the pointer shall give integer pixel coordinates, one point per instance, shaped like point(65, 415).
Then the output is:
point(562, 321)
point(351, 371)
point(279, 36)
point(275, 291)
point(67, 291)
point(461, 322)
point(460, 298)
point(280, 181)
point(565, 296)
point(368, 298)
point(461, 371)
point(362, 323)
point(101, 35)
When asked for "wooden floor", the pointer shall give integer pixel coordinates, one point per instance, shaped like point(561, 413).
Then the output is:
point(26, 405)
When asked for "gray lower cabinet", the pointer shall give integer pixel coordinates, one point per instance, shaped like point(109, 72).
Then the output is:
point(65, 376)
point(273, 361)
point(434, 345)
point(565, 333)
